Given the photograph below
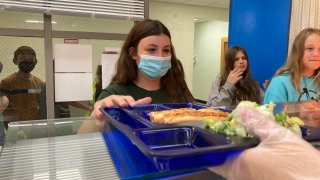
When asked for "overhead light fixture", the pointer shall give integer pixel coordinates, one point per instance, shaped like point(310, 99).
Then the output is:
point(195, 19)
point(124, 9)
point(37, 21)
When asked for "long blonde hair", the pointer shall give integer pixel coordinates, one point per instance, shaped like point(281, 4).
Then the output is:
point(294, 63)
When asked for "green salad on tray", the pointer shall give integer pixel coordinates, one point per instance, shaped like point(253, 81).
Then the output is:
point(230, 126)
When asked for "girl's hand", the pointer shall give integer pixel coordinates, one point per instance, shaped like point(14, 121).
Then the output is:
point(117, 100)
point(235, 76)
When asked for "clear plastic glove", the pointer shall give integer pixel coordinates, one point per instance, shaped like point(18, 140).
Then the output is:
point(117, 100)
point(280, 155)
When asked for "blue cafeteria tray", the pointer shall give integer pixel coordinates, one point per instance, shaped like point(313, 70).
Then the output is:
point(174, 147)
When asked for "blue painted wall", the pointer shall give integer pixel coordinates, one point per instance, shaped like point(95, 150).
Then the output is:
point(262, 27)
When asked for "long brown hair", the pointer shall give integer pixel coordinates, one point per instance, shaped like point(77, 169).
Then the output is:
point(248, 89)
point(294, 63)
point(127, 70)
point(98, 83)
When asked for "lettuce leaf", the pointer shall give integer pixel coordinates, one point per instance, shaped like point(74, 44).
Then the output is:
point(232, 127)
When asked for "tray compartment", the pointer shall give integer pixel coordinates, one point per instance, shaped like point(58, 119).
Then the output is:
point(175, 138)
point(123, 116)
point(190, 162)
point(168, 106)
point(148, 107)
point(310, 134)
point(174, 148)
point(184, 105)
point(194, 106)
point(144, 110)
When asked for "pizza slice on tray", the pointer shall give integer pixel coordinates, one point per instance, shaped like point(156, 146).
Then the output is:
point(186, 115)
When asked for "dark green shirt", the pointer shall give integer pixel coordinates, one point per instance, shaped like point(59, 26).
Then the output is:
point(131, 89)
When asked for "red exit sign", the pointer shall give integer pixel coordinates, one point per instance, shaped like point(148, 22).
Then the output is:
point(71, 41)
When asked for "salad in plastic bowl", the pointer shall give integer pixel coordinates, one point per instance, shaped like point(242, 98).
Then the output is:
point(230, 125)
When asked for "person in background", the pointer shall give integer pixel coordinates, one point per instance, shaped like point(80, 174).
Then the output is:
point(22, 88)
point(147, 70)
point(97, 84)
point(298, 79)
point(96, 87)
point(235, 82)
point(4, 102)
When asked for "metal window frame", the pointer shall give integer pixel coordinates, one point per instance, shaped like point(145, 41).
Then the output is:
point(124, 9)
point(48, 34)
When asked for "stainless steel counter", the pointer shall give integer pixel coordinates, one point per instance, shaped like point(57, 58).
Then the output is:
point(54, 150)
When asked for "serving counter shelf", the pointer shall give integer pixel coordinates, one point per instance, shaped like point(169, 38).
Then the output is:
point(74, 148)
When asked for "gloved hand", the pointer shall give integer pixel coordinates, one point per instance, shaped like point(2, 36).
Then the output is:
point(281, 154)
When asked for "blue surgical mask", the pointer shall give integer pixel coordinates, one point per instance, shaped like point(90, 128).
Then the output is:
point(154, 67)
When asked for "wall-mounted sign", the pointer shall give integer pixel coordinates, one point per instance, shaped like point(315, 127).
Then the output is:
point(73, 57)
point(71, 41)
point(109, 59)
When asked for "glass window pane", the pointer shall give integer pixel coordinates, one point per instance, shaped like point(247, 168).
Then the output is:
point(22, 89)
point(71, 109)
point(21, 20)
point(85, 24)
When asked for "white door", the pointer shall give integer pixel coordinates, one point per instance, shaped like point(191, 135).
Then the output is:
point(207, 55)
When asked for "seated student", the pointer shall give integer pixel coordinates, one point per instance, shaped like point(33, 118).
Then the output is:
point(147, 71)
point(298, 79)
point(22, 88)
point(235, 82)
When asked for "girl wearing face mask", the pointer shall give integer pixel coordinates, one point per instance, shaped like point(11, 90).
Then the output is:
point(299, 78)
point(235, 82)
point(147, 71)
